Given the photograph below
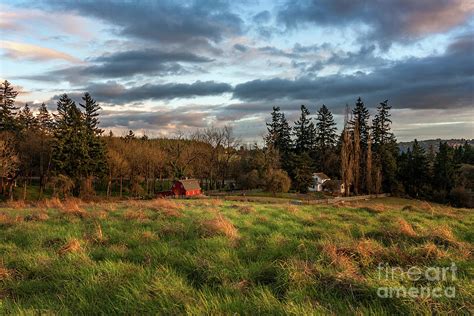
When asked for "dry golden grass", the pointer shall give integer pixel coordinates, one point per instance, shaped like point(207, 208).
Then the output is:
point(5, 273)
point(72, 246)
point(4, 219)
point(99, 214)
point(37, 217)
point(300, 272)
point(10, 220)
point(19, 204)
point(443, 234)
point(135, 215)
point(98, 234)
point(246, 209)
point(291, 209)
point(368, 251)
point(167, 207)
point(69, 206)
point(426, 206)
point(409, 208)
point(242, 286)
point(221, 226)
point(378, 208)
point(431, 251)
point(120, 249)
point(148, 235)
point(405, 228)
point(343, 263)
point(50, 203)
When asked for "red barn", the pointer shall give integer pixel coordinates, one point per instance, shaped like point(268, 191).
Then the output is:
point(187, 187)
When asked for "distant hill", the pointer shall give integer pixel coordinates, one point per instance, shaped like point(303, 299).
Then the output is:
point(435, 143)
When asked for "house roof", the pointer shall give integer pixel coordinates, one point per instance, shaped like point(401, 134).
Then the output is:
point(190, 184)
point(330, 183)
point(321, 176)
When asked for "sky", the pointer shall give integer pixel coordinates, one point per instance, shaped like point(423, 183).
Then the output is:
point(163, 67)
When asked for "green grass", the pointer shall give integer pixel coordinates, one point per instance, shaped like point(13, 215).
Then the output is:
point(227, 257)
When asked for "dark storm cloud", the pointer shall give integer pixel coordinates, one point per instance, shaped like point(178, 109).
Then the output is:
point(398, 20)
point(158, 119)
point(115, 93)
point(430, 82)
point(241, 48)
point(262, 17)
point(194, 22)
point(126, 64)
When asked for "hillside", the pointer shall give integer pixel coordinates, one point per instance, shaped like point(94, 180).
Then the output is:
point(228, 257)
point(435, 143)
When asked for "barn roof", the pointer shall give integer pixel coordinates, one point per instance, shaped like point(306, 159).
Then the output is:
point(322, 176)
point(190, 184)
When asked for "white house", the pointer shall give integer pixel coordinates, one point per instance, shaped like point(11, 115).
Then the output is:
point(334, 186)
point(318, 179)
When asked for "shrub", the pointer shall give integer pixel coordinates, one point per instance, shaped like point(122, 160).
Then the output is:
point(61, 185)
point(460, 197)
point(277, 181)
point(250, 181)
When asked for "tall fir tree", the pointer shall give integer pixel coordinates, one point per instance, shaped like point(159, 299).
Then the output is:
point(26, 119)
point(45, 122)
point(385, 147)
point(7, 107)
point(97, 154)
point(326, 140)
point(361, 116)
point(360, 120)
point(326, 135)
point(70, 148)
point(445, 170)
point(418, 173)
point(305, 132)
point(381, 125)
point(279, 132)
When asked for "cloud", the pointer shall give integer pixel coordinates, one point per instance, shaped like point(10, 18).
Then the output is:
point(241, 48)
point(196, 22)
point(388, 21)
point(430, 82)
point(27, 21)
point(262, 17)
point(160, 119)
point(126, 64)
point(115, 93)
point(16, 50)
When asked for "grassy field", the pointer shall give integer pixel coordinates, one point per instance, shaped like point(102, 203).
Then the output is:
point(226, 257)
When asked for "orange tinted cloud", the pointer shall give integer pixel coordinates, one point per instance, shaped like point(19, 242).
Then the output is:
point(33, 52)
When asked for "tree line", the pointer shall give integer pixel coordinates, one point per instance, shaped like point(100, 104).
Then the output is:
point(67, 153)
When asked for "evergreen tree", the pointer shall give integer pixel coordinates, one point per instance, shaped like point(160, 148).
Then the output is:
point(382, 125)
point(273, 128)
point(279, 133)
point(7, 107)
point(305, 132)
point(70, 148)
point(97, 161)
point(26, 119)
point(445, 170)
point(385, 147)
point(303, 176)
point(45, 122)
point(360, 114)
point(326, 136)
point(418, 171)
point(45, 127)
point(326, 139)
point(286, 143)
